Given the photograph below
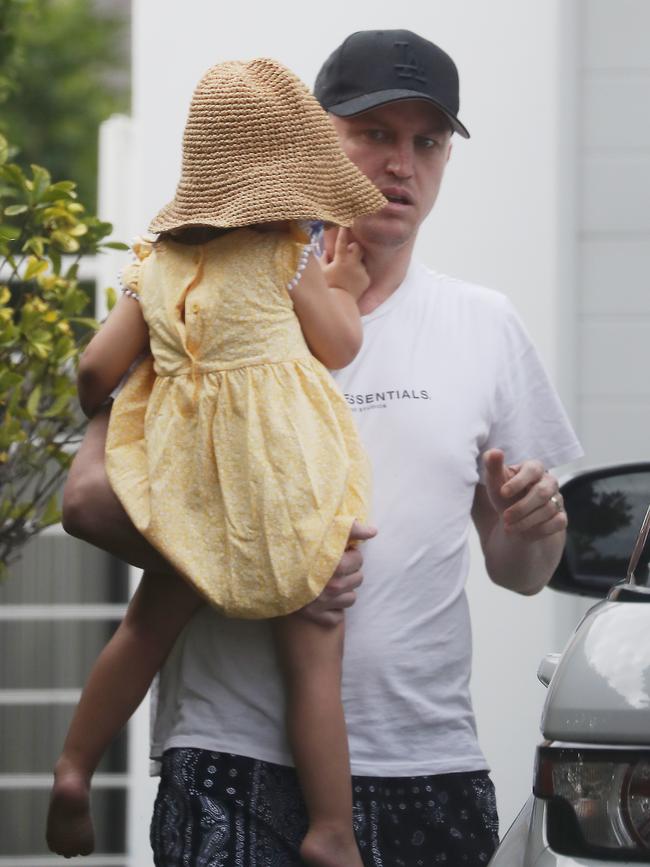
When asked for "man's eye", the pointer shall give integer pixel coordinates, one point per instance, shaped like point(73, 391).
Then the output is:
point(427, 143)
point(376, 134)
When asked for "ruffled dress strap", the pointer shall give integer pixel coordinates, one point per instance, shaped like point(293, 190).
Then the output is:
point(141, 249)
point(130, 284)
point(310, 234)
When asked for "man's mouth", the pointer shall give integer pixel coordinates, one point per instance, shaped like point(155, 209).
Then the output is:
point(397, 197)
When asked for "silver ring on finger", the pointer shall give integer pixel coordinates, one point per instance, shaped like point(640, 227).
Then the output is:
point(556, 499)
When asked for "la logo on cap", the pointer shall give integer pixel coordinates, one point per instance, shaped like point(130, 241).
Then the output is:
point(408, 67)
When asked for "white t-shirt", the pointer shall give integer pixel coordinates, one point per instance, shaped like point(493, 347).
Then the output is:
point(446, 371)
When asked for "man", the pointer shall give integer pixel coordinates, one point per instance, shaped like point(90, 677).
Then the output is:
point(459, 420)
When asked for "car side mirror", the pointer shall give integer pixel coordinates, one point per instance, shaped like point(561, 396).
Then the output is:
point(606, 509)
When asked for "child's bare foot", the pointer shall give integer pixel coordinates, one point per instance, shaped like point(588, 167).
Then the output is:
point(328, 847)
point(69, 825)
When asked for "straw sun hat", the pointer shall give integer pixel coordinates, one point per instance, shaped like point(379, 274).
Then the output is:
point(257, 148)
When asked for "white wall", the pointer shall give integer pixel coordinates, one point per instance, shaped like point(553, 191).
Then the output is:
point(614, 226)
point(501, 220)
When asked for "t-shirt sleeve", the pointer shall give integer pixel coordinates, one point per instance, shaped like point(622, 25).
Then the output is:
point(528, 420)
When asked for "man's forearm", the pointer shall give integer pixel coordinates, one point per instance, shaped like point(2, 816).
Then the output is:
point(519, 564)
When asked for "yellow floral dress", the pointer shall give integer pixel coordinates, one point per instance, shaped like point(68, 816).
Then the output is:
point(231, 448)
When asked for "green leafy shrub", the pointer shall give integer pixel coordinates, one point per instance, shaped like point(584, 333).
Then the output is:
point(45, 322)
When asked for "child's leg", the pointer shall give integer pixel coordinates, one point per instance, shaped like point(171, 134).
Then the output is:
point(311, 655)
point(119, 680)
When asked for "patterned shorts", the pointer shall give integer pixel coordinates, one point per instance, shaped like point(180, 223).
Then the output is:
point(219, 810)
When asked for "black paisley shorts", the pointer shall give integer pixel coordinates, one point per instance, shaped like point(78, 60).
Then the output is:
point(219, 810)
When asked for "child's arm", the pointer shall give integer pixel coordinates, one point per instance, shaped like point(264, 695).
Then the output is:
point(328, 314)
point(110, 353)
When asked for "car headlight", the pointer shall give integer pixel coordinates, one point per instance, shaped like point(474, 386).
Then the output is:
point(598, 801)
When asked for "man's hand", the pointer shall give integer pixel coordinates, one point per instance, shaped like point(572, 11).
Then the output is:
point(328, 609)
point(525, 496)
point(521, 523)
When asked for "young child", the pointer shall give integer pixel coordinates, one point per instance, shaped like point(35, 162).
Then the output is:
point(230, 447)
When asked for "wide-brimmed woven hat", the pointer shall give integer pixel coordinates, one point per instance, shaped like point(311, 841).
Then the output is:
point(258, 148)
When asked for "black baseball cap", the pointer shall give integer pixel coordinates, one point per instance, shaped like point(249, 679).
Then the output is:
point(374, 67)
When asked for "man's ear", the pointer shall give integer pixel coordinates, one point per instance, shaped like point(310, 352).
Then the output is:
point(449, 147)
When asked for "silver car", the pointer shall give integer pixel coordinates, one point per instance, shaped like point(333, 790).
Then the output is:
point(590, 801)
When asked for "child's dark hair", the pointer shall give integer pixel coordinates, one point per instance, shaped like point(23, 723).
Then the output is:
point(197, 234)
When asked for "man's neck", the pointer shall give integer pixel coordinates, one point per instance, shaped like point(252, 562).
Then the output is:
point(387, 267)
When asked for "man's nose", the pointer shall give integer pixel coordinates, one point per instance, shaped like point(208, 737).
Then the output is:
point(400, 160)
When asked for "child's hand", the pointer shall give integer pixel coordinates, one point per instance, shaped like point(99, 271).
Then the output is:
point(346, 270)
